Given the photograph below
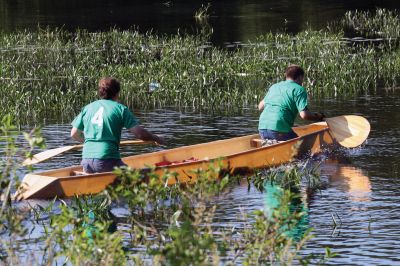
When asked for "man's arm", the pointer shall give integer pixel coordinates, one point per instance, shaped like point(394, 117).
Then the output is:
point(143, 134)
point(307, 115)
point(77, 135)
point(261, 105)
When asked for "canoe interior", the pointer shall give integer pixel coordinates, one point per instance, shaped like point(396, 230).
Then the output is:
point(203, 151)
point(237, 153)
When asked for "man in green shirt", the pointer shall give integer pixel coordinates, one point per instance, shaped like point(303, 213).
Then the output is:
point(99, 127)
point(284, 100)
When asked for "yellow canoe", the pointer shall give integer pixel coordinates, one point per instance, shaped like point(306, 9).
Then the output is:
point(240, 153)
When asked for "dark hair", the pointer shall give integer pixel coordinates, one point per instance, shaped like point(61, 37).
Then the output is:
point(293, 72)
point(108, 88)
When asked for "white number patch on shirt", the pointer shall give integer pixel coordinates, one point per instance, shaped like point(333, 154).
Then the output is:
point(98, 117)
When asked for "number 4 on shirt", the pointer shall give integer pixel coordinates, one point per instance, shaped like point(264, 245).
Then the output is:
point(97, 119)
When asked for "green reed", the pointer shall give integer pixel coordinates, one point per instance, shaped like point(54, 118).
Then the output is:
point(380, 23)
point(52, 73)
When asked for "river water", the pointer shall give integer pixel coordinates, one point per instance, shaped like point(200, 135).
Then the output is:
point(362, 190)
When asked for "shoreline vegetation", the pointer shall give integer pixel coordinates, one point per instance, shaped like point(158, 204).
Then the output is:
point(52, 73)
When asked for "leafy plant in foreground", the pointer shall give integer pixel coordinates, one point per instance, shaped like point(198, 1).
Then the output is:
point(80, 235)
point(11, 220)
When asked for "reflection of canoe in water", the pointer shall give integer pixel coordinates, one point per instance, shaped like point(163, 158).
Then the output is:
point(349, 179)
point(241, 153)
point(359, 184)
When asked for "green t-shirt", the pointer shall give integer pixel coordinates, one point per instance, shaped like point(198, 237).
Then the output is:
point(101, 122)
point(284, 100)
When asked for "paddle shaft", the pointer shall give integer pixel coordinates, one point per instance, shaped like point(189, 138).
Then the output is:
point(124, 142)
point(42, 156)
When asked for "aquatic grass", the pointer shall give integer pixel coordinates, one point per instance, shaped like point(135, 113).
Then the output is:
point(380, 23)
point(290, 177)
point(186, 76)
point(52, 73)
point(203, 12)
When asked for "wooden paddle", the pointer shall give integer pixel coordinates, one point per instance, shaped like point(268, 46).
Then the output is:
point(42, 156)
point(349, 130)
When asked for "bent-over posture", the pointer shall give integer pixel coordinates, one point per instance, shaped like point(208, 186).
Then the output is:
point(281, 105)
point(99, 127)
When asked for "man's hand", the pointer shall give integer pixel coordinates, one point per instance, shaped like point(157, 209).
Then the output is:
point(160, 140)
point(307, 115)
point(320, 116)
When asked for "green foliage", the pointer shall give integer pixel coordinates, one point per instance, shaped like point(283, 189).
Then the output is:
point(96, 205)
point(139, 191)
point(268, 241)
point(190, 237)
point(289, 177)
point(279, 232)
point(9, 164)
point(190, 241)
point(82, 239)
point(11, 220)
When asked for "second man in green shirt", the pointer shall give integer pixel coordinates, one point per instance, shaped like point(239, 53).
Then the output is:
point(281, 105)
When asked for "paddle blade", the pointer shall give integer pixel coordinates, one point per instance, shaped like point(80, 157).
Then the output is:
point(349, 130)
point(40, 157)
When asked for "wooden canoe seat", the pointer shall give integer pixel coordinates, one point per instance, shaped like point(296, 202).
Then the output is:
point(75, 173)
point(255, 143)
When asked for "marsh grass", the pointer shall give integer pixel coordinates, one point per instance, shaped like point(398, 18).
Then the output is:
point(380, 23)
point(203, 12)
point(52, 73)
